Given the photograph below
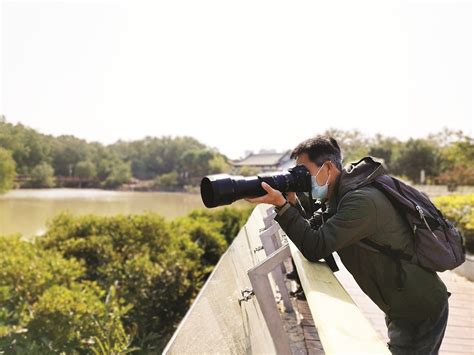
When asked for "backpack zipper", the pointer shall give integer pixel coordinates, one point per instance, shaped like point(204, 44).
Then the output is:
point(422, 216)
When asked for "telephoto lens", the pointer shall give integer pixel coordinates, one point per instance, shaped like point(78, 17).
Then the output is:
point(223, 189)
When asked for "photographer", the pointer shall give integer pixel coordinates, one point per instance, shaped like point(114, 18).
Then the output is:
point(415, 305)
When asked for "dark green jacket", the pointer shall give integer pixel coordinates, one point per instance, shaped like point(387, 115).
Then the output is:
point(362, 211)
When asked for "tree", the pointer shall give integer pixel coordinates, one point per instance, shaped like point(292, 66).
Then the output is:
point(67, 151)
point(218, 164)
point(42, 175)
point(85, 170)
point(7, 170)
point(354, 145)
point(196, 162)
point(386, 148)
point(28, 147)
point(458, 154)
point(168, 182)
point(121, 173)
point(415, 155)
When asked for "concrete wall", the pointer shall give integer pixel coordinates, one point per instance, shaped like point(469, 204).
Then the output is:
point(216, 323)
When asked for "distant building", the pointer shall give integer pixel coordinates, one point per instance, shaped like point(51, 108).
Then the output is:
point(265, 161)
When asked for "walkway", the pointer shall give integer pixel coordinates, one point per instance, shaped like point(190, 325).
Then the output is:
point(459, 337)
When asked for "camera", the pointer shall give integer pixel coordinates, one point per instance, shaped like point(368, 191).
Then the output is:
point(223, 189)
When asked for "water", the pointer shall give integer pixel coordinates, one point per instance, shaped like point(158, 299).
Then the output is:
point(27, 211)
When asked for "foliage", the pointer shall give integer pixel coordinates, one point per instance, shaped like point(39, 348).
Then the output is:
point(120, 174)
point(354, 144)
point(66, 153)
point(114, 164)
point(444, 156)
point(42, 175)
point(86, 170)
point(231, 219)
point(168, 182)
point(206, 235)
point(457, 162)
point(386, 148)
point(460, 210)
point(28, 147)
point(152, 265)
point(415, 155)
point(7, 170)
point(26, 272)
point(107, 285)
point(218, 164)
point(46, 308)
point(248, 171)
point(459, 175)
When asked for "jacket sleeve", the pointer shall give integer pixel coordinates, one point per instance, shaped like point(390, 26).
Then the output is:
point(355, 220)
point(302, 211)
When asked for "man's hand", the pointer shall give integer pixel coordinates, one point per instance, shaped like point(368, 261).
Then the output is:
point(273, 197)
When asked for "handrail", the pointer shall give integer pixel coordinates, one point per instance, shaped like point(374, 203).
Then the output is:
point(341, 325)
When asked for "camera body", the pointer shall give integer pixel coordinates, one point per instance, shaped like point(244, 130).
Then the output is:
point(223, 189)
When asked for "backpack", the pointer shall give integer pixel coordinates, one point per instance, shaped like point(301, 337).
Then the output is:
point(438, 244)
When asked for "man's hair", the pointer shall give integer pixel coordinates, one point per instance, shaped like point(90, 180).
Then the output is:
point(319, 150)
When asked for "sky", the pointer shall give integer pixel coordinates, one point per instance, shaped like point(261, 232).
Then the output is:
point(237, 75)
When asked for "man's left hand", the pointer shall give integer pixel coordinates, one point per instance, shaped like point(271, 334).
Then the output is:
point(273, 197)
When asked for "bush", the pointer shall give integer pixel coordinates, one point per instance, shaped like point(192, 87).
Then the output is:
point(460, 175)
point(45, 308)
point(42, 175)
point(460, 210)
point(232, 219)
point(121, 173)
point(58, 308)
point(7, 170)
point(85, 170)
point(107, 284)
point(206, 234)
point(152, 265)
point(168, 182)
point(26, 272)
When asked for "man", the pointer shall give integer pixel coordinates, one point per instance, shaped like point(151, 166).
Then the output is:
point(414, 300)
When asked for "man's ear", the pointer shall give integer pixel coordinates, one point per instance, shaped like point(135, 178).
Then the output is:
point(334, 166)
point(331, 167)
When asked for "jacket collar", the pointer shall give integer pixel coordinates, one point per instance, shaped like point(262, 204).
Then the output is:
point(354, 176)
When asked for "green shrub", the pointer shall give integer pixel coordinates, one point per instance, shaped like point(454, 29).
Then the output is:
point(26, 272)
point(168, 182)
point(206, 234)
point(7, 170)
point(60, 307)
point(232, 219)
point(152, 265)
point(107, 285)
point(460, 210)
point(45, 308)
point(42, 175)
point(121, 173)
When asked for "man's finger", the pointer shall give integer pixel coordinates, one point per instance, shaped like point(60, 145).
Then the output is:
point(254, 199)
point(267, 187)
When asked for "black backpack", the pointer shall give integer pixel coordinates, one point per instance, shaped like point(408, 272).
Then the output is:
point(438, 244)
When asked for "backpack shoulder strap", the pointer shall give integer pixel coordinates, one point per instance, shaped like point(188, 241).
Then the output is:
point(387, 250)
point(395, 255)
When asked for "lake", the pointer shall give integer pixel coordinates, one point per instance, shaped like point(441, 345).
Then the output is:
point(27, 211)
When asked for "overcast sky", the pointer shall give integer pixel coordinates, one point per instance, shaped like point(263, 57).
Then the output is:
point(237, 75)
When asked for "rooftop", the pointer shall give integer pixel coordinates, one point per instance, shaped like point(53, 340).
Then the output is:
point(263, 159)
